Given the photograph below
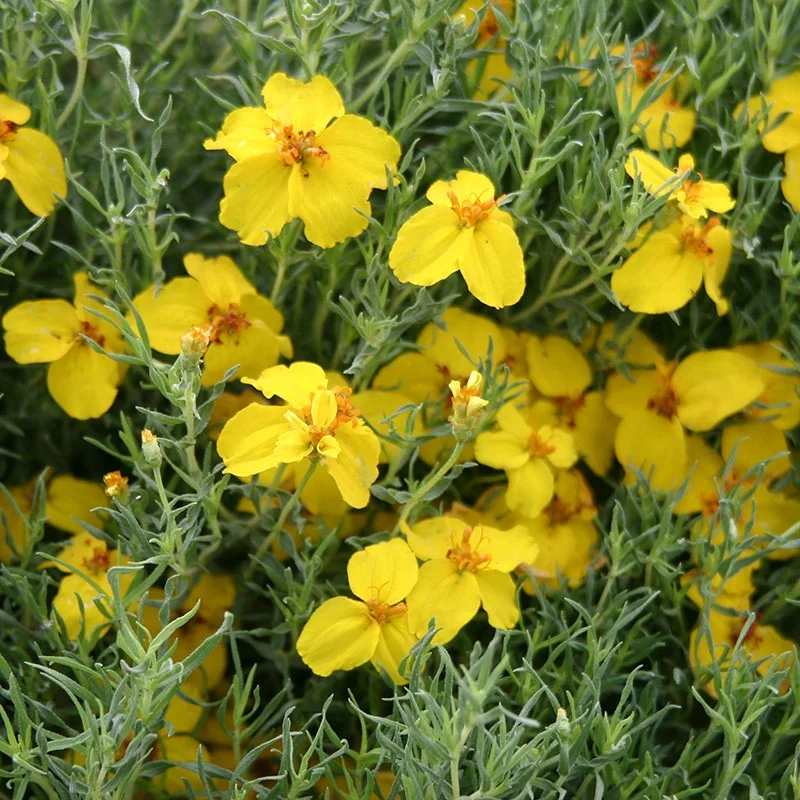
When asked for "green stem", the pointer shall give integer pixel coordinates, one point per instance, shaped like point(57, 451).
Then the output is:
point(278, 526)
point(80, 78)
point(427, 485)
point(394, 61)
point(176, 29)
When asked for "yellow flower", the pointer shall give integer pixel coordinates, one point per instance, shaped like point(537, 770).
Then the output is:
point(14, 527)
point(293, 162)
point(733, 592)
point(181, 749)
point(530, 451)
point(318, 423)
point(226, 405)
point(666, 271)
point(344, 633)
point(467, 401)
point(782, 98)
point(655, 405)
point(694, 196)
point(560, 372)
point(749, 445)
point(564, 532)
point(664, 122)
point(244, 327)
point(85, 598)
point(729, 642)
point(29, 159)
point(779, 403)
point(83, 382)
point(425, 376)
point(465, 568)
point(463, 230)
point(490, 72)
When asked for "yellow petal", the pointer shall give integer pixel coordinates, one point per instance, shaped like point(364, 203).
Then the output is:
point(564, 455)
point(221, 280)
point(498, 598)
point(12, 525)
point(501, 450)
point(256, 307)
point(660, 276)
point(71, 500)
point(442, 593)
point(414, 374)
point(293, 446)
point(594, 431)
point(657, 178)
point(13, 111)
point(40, 331)
point(530, 488)
point(217, 594)
point(35, 168)
point(704, 468)
point(295, 384)
point(340, 634)
point(506, 547)
point(756, 442)
point(492, 264)
point(715, 268)
point(180, 305)
point(324, 409)
point(244, 134)
point(394, 644)
point(468, 186)
point(428, 247)
point(433, 538)
point(355, 468)
point(74, 591)
point(790, 185)
point(557, 367)
point(472, 332)
point(305, 106)
point(320, 494)
point(83, 382)
point(384, 572)
point(256, 202)
point(363, 148)
point(679, 126)
point(714, 384)
point(330, 198)
point(653, 445)
point(247, 442)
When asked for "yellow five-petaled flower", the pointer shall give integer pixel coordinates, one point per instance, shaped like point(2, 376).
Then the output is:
point(293, 162)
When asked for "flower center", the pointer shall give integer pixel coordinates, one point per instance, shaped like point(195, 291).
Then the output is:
point(752, 638)
point(463, 556)
point(345, 412)
point(231, 321)
point(295, 147)
point(559, 511)
point(7, 129)
point(539, 447)
point(695, 240)
point(99, 562)
point(382, 613)
point(471, 212)
point(643, 60)
point(91, 332)
point(567, 407)
point(665, 401)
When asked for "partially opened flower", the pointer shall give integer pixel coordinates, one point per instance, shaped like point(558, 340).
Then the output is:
point(465, 568)
point(490, 70)
point(82, 381)
point(318, 423)
point(463, 230)
point(693, 195)
point(665, 122)
point(344, 633)
point(530, 447)
point(560, 372)
point(29, 159)
point(665, 272)
point(243, 327)
point(301, 157)
point(656, 405)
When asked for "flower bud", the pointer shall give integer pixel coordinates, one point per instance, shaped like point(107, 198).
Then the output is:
point(195, 342)
point(151, 449)
point(467, 400)
point(116, 485)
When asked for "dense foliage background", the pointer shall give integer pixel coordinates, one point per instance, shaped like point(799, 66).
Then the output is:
point(592, 695)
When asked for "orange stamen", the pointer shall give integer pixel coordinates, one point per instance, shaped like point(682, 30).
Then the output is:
point(7, 129)
point(232, 321)
point(568, 407)
point(537, 447)
point(294, 148)
point(665, 401)
point(463, 556)
point(91, 332)
point(382, 613)
point(472, 212)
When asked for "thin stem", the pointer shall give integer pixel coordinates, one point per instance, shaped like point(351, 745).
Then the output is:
point(80, 78)
point(427, 485)
point(278, 526)
point(176, 29)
